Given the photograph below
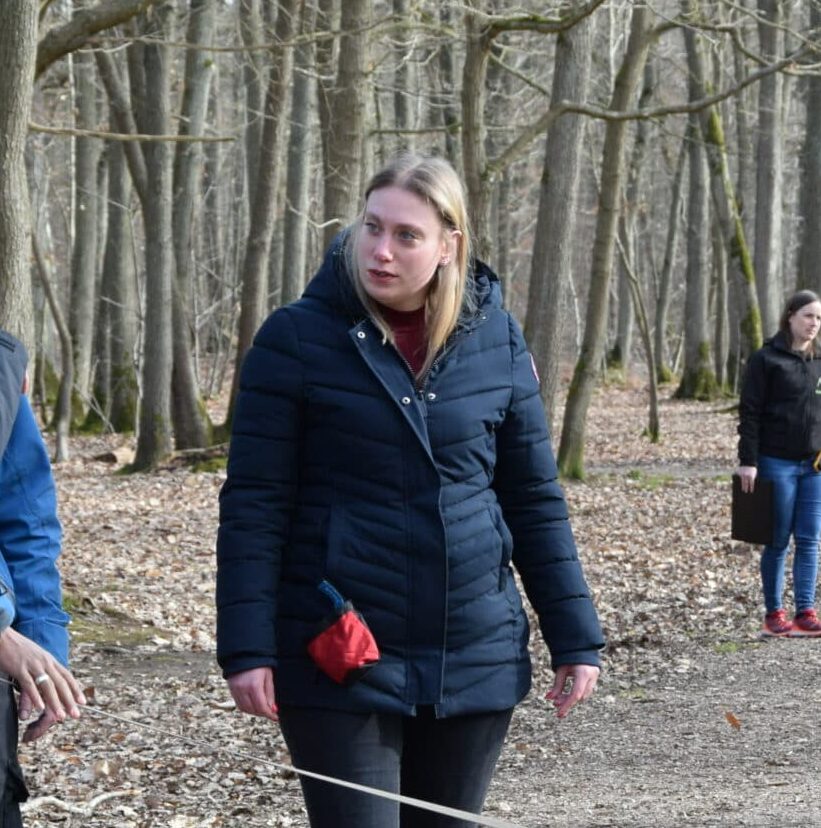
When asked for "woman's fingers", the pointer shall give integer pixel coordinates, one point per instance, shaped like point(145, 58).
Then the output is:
point(44, 683)
point(253, 692)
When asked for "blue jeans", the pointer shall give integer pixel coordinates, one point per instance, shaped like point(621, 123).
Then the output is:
point(796, 512)
point(447, 761)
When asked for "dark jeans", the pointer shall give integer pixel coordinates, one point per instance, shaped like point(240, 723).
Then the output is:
point(446, 761)
point(12, 787)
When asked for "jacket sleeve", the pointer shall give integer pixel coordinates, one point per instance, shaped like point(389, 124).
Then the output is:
point(534, 508)
point(750, 409)
point(30, 536)
point(257, 498)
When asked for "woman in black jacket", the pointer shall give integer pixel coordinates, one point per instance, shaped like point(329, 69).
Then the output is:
point(389, 462)
point(779, 440)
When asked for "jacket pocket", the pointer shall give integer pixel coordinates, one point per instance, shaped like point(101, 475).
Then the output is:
point(506, 543)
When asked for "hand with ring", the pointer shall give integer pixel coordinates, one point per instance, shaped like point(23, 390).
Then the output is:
point(45, 685)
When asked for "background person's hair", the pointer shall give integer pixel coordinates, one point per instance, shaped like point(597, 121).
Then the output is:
point(794, 304)
point(436, 182)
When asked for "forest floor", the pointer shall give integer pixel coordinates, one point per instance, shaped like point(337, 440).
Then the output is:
point(696, 721)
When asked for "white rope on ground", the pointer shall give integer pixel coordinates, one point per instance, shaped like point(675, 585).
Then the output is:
point(479, 819)
point(86, 809)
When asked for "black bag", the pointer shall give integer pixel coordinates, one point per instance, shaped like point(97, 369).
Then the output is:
point(752, 512)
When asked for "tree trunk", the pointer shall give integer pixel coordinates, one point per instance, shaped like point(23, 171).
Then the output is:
point(663, 372)
point(120, 294)
point(698, 379)
point(254, 72)
point(625, 321)
point(255, 265)
point(327, 48)
point(726, 207)
point(347, 119)
point(809, 256)
point(447, 83)
point(552, 260)
point(403, 110)
point(84, 254)
point(721, 348)
point(155, 429)
point(474, 132)
point(297, 188)
point(191, 423)
point(571, 450)
point(769, 169)
point(62, 408)
point(18, 47)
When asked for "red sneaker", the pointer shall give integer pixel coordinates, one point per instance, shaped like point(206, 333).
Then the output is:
point(776, 623)
point(806, 623)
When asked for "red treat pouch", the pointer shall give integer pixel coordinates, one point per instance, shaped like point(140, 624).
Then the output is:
point(345, 648)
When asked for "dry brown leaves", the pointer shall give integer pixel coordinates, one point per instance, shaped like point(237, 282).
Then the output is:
point(652, 525)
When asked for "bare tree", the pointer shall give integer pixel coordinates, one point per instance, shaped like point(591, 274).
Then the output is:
point(192, 427)
point(554, 239)
point(119, 294)
point(663, 372)
point(809, 272)
point(84, 273)
point(263, 212)
point(18, 44)
point(698, 378)
point(303, 96)
point(571, 449)
point(346, 119)
point(769, 168)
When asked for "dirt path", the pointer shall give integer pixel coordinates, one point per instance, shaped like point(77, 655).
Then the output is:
point(697, 722)
point(666, 754)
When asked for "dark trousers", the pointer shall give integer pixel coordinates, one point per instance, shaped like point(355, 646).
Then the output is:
point(12, 787)
point(446, 761)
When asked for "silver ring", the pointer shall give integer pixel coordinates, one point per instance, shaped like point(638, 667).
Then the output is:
point(42, 679)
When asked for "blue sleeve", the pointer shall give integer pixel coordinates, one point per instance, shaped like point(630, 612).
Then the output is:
point(30, 536)
point(257, 498)
point(535, 510)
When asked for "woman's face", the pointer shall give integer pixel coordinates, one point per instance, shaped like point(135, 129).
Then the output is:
point(804, 325)
point(401, 244)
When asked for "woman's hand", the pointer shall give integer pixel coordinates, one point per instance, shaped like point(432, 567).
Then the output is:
point(45, 685)
point(574, 683)
point(253, 691)
point(748, 475)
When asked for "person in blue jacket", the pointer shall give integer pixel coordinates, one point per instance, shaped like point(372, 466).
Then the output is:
point(33, 635)
point(389, 466)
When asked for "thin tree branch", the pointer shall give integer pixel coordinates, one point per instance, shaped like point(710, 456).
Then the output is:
point(533, 130)
point(120, 136)
point(494, 25)
point(85, 22)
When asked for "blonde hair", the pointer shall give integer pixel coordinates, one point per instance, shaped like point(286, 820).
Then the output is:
point(435, 181)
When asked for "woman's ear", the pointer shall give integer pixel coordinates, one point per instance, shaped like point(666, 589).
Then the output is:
point(450, 245)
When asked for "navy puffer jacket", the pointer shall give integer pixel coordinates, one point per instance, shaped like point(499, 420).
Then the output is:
point(413, 504)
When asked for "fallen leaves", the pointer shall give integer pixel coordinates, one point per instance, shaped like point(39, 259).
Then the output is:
point(652, 527)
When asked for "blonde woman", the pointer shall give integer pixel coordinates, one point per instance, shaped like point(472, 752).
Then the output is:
point(389, 464)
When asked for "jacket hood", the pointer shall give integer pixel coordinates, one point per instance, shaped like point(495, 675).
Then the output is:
point(332, 286)
point(13, 360)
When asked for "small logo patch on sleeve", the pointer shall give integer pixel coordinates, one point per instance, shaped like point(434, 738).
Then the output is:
point(533, 366)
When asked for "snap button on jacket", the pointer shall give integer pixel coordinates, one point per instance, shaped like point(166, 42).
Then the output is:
point(415, 504)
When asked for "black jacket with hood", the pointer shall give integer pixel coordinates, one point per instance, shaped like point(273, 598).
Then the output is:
point(780, 407)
